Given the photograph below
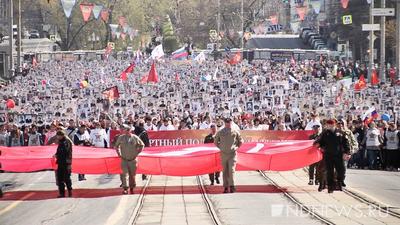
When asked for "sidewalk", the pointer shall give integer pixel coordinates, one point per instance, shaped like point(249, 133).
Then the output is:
point(338, 207)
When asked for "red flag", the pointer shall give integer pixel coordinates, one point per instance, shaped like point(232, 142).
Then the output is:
point(345, 3)
point(86, 9)
point(153, 76)
point(129, 69)
point(374, 78)
point(143, 80)
point(392, 74)
point(274, 19)
point(124, 76)
point(292, 61)
point(235, 59)
point(361, 84)
point(302, 12)
point(104, 15)
point(111, 93)
point(34, 61)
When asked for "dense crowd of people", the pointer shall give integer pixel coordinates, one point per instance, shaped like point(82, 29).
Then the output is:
point(262, 95)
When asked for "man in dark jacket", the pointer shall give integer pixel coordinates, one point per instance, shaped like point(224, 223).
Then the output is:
point(335, 149)
point(142, 134)
point(210, 139)
point(64, 162)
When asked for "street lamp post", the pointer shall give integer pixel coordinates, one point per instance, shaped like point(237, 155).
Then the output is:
point(11, 39)
point(371, 42)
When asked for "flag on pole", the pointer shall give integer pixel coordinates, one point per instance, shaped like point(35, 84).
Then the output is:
point(157, 52)
point(292, 61)
point(200, 57)
point(293, 80)
point(129, 69)
point(34, 62)
point(235, 59)
point(111, 93)
point(361, 84)
point(153, 76)
point(180, 54)
point(374, 77)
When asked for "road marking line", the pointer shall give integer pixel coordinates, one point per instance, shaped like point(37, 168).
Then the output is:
point(16, 203)
point(119, 211)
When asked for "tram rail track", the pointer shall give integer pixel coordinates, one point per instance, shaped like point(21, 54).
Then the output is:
point(206, 200)
point(296, 201)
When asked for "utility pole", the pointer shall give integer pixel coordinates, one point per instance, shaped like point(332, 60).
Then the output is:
point(242, 27)
point(382, 68)
point(371, 42)
point(11, 39)
point(218, 23)
point(19, 40)
point(397, 40)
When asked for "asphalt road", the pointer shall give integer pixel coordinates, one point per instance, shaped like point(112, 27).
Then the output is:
point(30, 198)
point(381, 186)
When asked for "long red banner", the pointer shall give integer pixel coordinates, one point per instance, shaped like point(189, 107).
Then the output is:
point(189, 137)
point(183, 160)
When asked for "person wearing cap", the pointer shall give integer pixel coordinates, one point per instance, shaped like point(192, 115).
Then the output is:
point(228, 140)
point(313, 168)
point(210, 139)
point(64, 162)
point(128, 147)
point(335, 147)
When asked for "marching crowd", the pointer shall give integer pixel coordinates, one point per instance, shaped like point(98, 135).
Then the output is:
point(66, 98)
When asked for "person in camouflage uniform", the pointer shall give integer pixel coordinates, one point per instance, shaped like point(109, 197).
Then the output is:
point(351, 140)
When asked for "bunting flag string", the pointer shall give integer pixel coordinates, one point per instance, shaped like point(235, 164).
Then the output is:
point(97, 9)
point(68, 5)
point(345, 3)
point(86, 9)
point(104, 14)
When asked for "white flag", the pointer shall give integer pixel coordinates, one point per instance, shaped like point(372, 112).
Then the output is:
point(96, 11)
point(200, 57)
point(67, 6)
point(157, 52)
point(113, 28)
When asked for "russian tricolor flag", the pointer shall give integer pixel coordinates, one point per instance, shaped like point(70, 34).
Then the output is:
point(180, 54)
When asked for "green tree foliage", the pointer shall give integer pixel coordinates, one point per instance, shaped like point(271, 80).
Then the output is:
point(170, 41)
